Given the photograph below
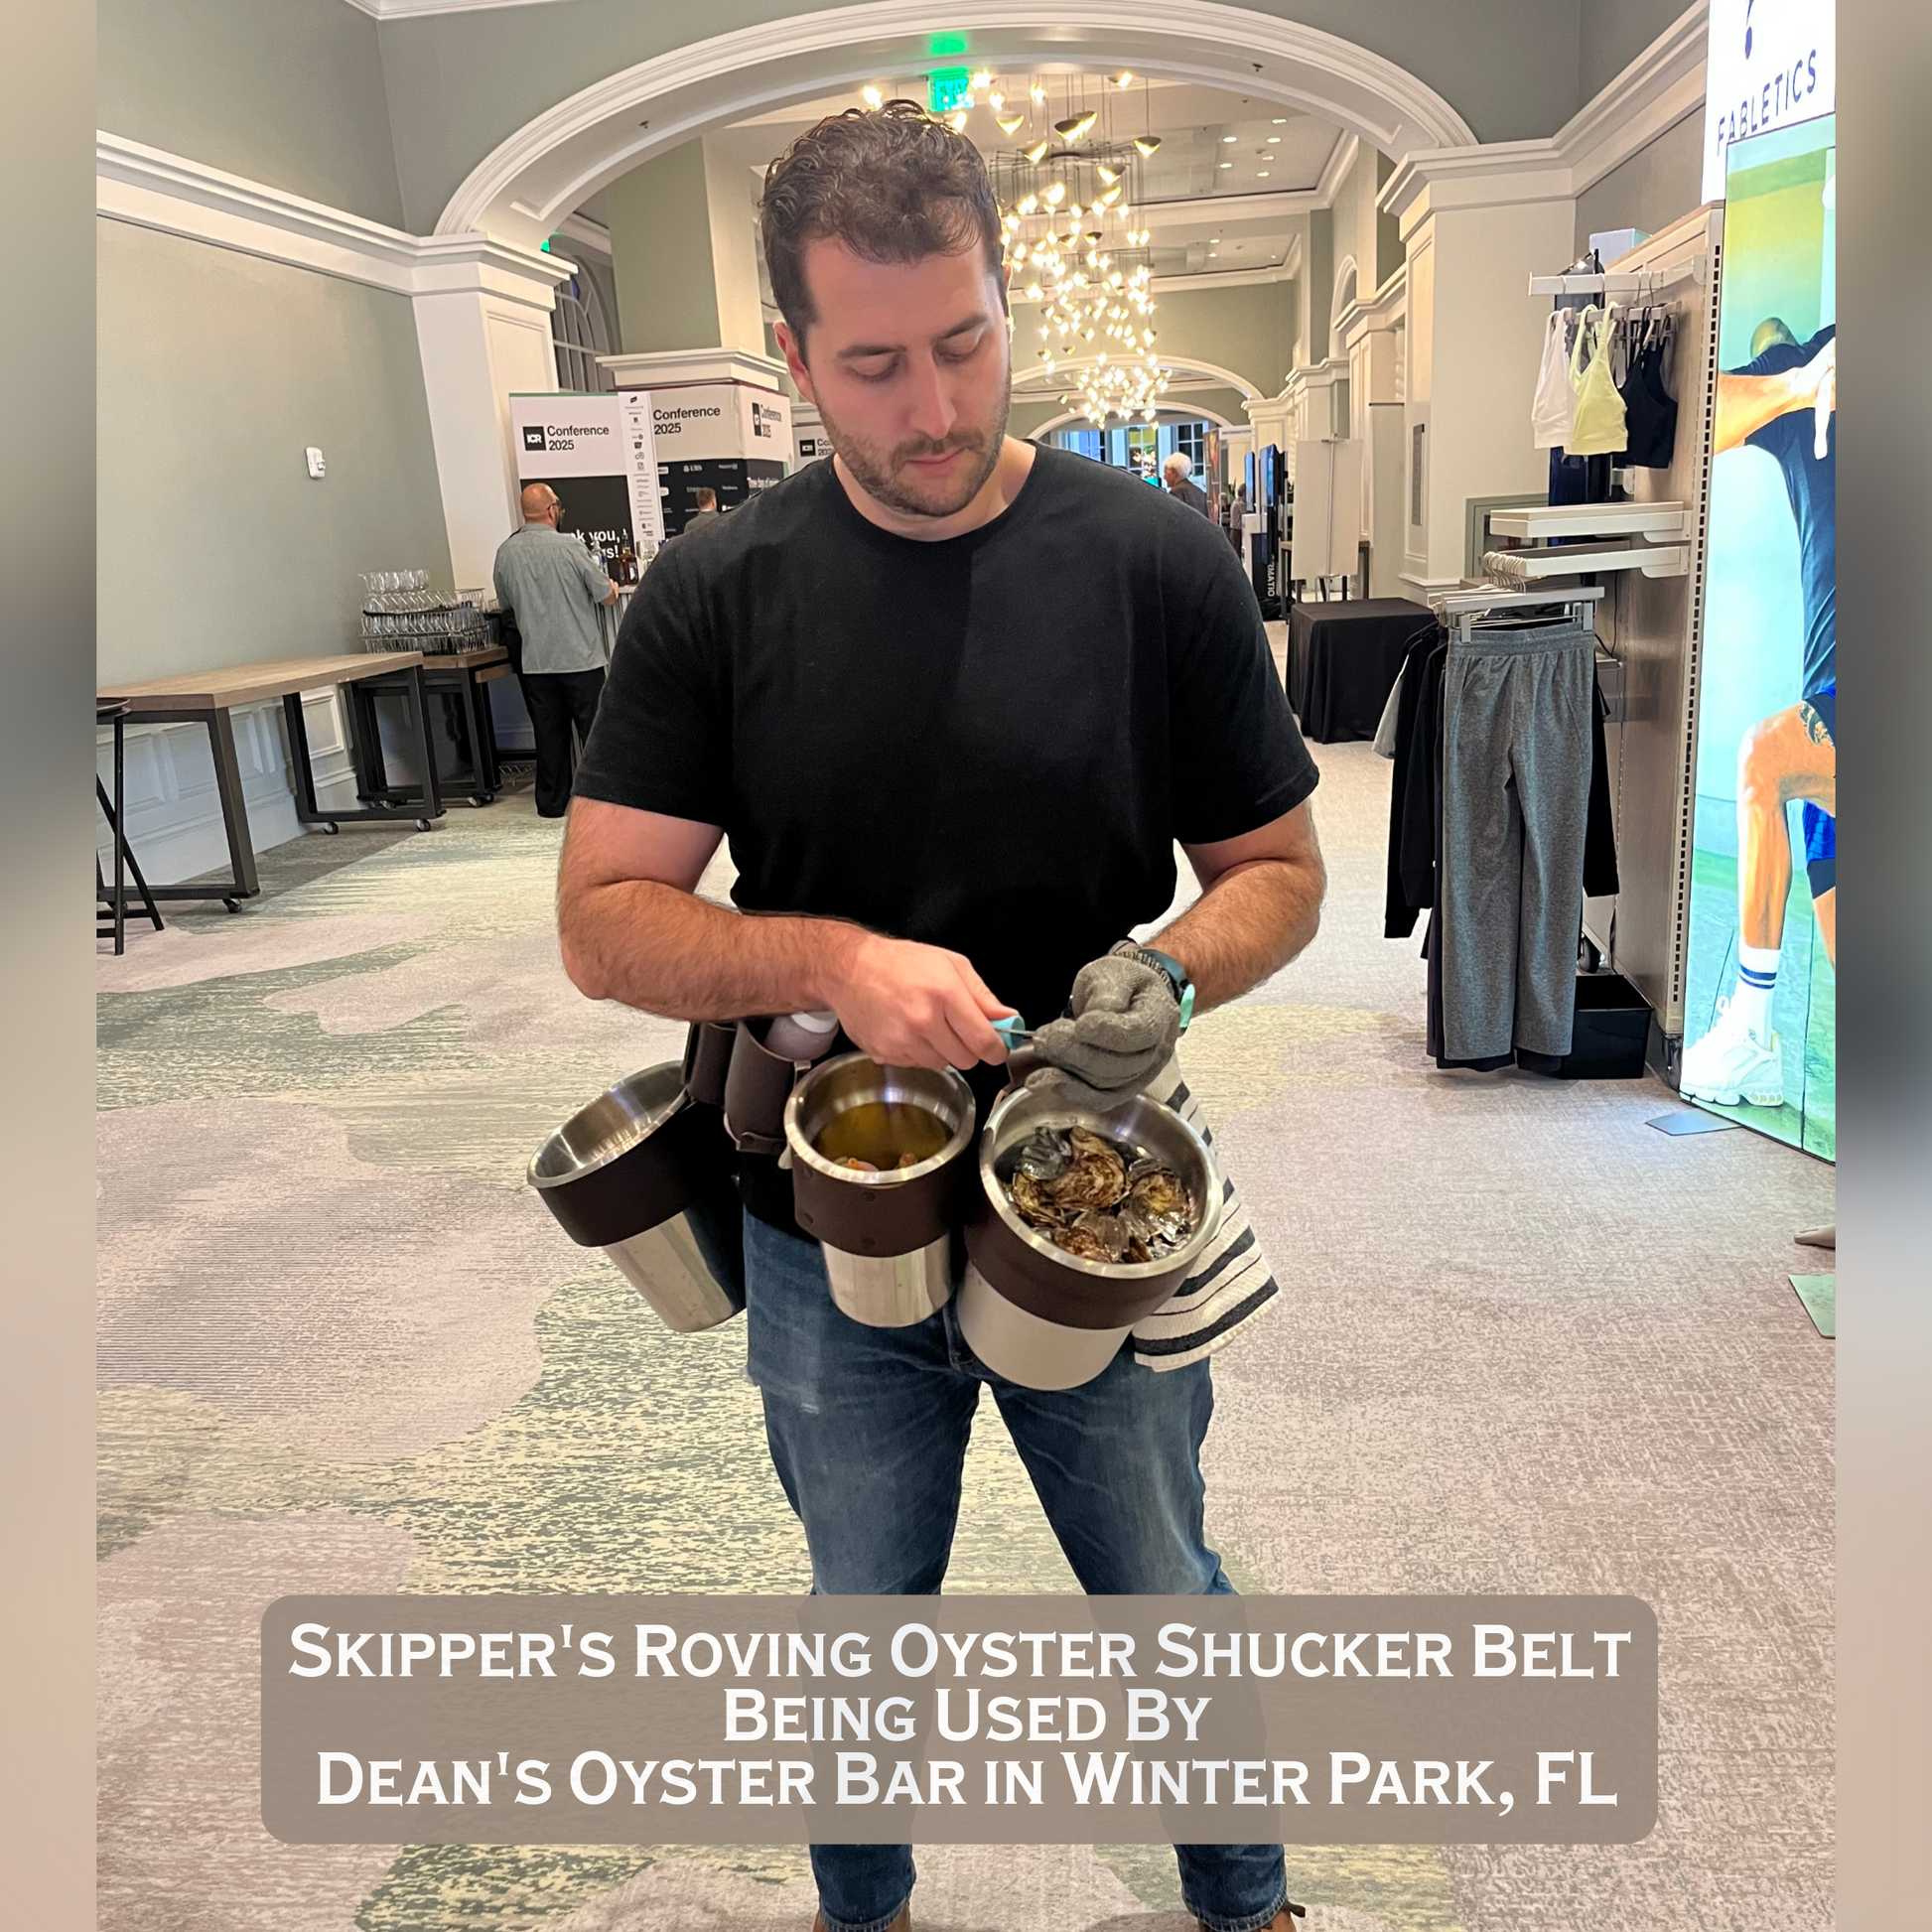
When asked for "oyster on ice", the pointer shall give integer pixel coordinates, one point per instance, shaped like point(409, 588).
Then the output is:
point(1096, 1176)
point(1035, 1206)
point(1160, 1196)
point(1082, 1240)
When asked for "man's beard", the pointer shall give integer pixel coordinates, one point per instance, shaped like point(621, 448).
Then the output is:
point(880, 472)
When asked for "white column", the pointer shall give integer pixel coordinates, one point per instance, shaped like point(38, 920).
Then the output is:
point(483, 327)
point(1371, 332)
point(1478, 223)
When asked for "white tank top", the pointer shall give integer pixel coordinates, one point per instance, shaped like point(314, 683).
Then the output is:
point(1554, 407)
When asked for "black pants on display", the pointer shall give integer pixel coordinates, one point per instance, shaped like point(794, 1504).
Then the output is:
point(557, 700)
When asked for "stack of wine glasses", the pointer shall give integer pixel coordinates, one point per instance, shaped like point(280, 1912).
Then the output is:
point(402, 613)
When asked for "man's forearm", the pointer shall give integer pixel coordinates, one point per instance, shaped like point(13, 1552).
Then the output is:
point(1746, 403)
point(1248, 924)
point(667, 952)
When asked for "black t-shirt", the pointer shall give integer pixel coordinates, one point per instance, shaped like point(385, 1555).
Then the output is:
point(989, 744)
point(1811, 483)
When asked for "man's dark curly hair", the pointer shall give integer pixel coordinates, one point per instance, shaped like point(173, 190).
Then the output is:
point(890, 183)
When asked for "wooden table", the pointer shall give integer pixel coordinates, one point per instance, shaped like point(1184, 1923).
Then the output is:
point(459, 675)
point(207, 697)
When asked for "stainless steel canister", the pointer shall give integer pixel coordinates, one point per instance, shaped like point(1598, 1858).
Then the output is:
point(1029, 1309)
point(644, 1173)
point(886, 1237)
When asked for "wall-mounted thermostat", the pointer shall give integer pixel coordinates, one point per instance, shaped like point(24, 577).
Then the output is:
point(317, 468)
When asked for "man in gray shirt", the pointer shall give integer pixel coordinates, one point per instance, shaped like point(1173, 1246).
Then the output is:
point(549, 584)
point(707, 513)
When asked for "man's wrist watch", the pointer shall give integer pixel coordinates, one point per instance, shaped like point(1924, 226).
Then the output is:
point(1170, 969)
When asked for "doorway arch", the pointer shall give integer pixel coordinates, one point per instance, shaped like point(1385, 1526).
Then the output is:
point(521, 191)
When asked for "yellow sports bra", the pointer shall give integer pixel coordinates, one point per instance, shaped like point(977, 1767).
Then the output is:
point(1599, 427)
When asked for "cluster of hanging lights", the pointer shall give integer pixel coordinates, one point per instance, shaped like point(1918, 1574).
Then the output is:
point(1067, 221)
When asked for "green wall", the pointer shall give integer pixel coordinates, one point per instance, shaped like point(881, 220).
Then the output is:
point(216, 372)
point(289, 93)
point(1318, 280)
point(1248, 331)
point(1610, 37)
point(463, 81)
point(1656, 185)
point(388, 120)
point(660, 250)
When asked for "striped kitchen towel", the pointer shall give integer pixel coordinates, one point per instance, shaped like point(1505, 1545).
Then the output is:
point(1233, 1284)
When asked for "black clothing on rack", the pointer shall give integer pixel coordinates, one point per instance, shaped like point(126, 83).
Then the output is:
point(1649, 410)
point(1411, 838)
point(1578, 478)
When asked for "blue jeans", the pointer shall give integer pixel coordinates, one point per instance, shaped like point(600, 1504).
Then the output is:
point(868, 1429)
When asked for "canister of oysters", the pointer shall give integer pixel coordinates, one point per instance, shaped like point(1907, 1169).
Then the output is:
point(1086, 1222)
point(880, 1157)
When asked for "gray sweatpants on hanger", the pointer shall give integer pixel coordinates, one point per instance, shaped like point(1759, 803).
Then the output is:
point(1516, 752)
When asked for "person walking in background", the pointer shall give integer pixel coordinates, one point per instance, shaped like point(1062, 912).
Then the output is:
point(553, 591)
point(706, 515)
point(1174, 473)
point(1238, 521)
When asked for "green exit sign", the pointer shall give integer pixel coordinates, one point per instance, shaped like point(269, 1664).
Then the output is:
point(947, 88)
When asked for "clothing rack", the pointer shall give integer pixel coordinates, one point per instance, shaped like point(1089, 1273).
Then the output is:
point(1459, 610)
point(1642, 284)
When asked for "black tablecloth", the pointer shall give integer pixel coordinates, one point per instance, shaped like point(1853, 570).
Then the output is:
point(1342, 660)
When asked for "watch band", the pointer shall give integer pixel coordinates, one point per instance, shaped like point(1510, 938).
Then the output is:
point(1170, 969)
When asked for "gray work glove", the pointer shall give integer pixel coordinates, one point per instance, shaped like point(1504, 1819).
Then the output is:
point(1122, 1033)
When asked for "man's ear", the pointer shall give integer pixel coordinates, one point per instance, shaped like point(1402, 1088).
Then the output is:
point(794, 354)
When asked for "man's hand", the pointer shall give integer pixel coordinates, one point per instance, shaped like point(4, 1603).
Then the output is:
point(908, 1005)
point(1122, 1032)
point(633, 929)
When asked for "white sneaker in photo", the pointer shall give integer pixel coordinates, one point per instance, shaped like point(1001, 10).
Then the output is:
point(1730, 1065)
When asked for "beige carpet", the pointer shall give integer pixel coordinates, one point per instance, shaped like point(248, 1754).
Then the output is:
point(1526, 1344)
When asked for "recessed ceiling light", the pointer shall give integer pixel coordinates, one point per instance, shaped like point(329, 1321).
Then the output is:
point(1280, 120)
point(1262, 172)
point(1231, 137)
point(1273, 138)
point(1213, 237)
point(1227, 164)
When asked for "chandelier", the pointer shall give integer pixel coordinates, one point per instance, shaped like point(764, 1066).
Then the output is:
point(1066, 189)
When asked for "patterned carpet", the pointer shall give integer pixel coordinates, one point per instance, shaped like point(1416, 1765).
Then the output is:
point(1526, 1344)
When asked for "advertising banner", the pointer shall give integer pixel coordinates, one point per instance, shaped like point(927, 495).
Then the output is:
point(596, 452)
point(1768, 63)
point(1761, 1011)
point(727, 437)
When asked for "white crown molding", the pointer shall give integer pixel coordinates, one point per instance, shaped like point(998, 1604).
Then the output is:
point(1334, 171)
point(555, 160)
point(1025, 382)
point(1663, 85)
point(1384, 310)
point(152, 189)
point(1233, 278)
point(592, 238)
point(415, 9)
point(1282, 204)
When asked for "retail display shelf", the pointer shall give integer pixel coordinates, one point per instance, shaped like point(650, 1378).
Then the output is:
point(1537, 566)
point(1660, 522)
point(1477, 597)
